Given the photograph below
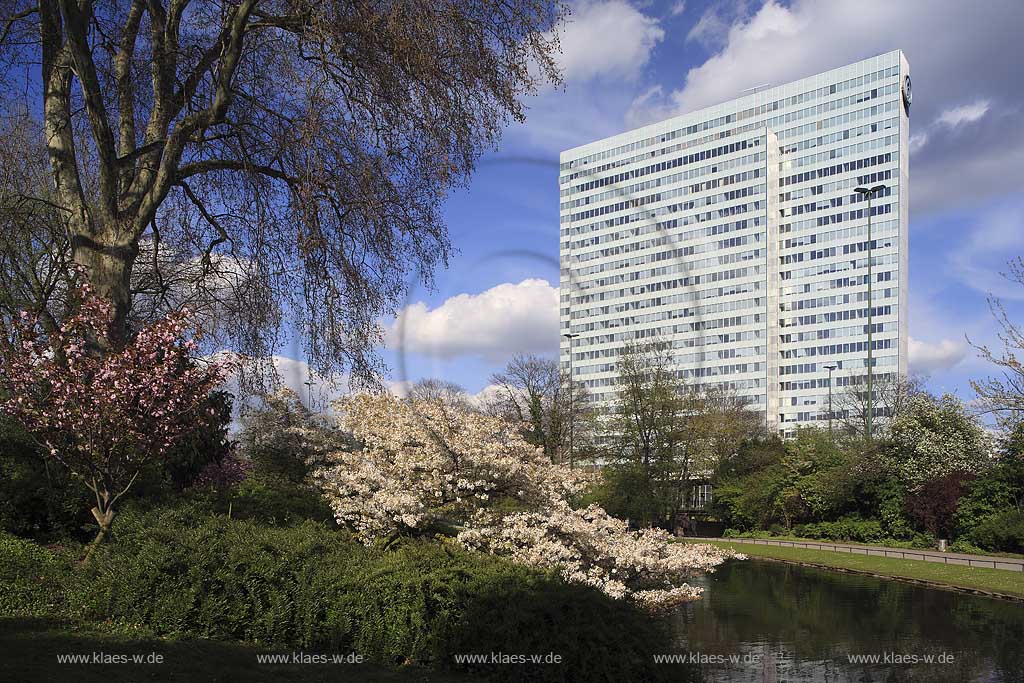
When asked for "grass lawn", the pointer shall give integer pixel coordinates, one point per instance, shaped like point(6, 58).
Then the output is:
point(894, 546)
point(30, 647)
point(1000, 581)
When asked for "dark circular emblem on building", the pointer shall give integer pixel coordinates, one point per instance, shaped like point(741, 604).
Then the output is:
point(908, 95)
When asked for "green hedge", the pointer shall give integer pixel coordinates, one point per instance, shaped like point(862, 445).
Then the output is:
point(847, 529)
point(1002, 532)
point(32, 578)
point(184, 572)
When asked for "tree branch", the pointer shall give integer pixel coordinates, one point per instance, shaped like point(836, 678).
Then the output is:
point(167, 172)
point(60, 143)
point(211, 165)
point(209, 219)
point(77, 20)
point(125, 88)
point(12, 20)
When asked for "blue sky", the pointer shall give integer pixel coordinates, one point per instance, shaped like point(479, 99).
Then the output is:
point(631, 63)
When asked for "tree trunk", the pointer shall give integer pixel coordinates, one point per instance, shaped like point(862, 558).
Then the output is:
point(108, 267)
point(104, 518)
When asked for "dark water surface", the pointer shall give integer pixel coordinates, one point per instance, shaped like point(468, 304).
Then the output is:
point(768, 621)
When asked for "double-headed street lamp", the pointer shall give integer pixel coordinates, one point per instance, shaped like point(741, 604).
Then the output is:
point(830, 367)
point(869, 192)
point(572, 417)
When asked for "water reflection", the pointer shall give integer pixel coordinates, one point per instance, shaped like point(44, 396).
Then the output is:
point(767, 621)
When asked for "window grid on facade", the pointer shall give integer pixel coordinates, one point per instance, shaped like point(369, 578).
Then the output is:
point(734, 234)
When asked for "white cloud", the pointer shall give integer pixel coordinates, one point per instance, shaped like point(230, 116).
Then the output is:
point(928, 357)
point(646, 108)
point(968, 113)
point(918, 141)
point(961, 76)
point(980, 260)
point(501, 321)
point(711, 29)
point(951, 119)
point(678, 8)
point(605, 44)
point(609, 38)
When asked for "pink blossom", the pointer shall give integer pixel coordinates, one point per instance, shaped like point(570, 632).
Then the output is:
point(110, 413)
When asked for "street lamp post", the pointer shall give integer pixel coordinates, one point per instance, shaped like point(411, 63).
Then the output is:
point(572, 416)
point(869, 192)
point(309, 394)
point(830, 367)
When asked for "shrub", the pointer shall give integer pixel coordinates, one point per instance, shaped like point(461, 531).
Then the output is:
point(846, 529)
point(37, 499)
point(892, 510)
point(32, 577)
point(932, 506)
point(736, 533)
point(278, 503)
point(1002, 532)
point(179, 571)
point(961, 545)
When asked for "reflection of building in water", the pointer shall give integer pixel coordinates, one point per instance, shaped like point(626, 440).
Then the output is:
point(735, 234)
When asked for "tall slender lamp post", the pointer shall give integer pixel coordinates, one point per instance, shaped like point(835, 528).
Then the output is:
point(869, 192)
point(572, 393)
point(830, 367)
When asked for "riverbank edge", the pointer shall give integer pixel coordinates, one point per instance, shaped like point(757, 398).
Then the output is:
point(756, 551)
point(907, 547)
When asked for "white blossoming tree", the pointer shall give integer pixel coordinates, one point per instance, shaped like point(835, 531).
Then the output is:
point(431, 468)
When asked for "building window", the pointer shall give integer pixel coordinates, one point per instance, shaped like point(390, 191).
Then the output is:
point(701, 496)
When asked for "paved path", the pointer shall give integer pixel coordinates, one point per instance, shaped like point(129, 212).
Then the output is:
point(987, 561)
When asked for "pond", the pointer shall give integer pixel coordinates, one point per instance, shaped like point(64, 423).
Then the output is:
point(769, 621)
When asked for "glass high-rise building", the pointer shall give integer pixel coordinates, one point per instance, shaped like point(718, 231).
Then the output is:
point(735, 235)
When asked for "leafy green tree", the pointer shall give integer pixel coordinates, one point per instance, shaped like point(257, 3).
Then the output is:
point(933, 438)
point(811, 478)
point(646, 427)
point(997, 489)
point(748, 484)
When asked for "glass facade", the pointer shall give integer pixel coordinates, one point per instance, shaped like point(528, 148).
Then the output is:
point(735, 235)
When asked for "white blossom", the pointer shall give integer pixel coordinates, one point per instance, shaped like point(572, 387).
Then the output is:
point(425, 465)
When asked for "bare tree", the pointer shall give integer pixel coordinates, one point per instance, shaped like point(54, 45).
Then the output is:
point(892, 393)
point(527, 391)
point(730, 419)
point(448, 393)
point(670, 434)
point(34, 250)
point(302, 148)
point(534, 391)
point(1004, 396)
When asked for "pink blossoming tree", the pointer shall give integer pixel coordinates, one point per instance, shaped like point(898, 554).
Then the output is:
point(105, 416)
